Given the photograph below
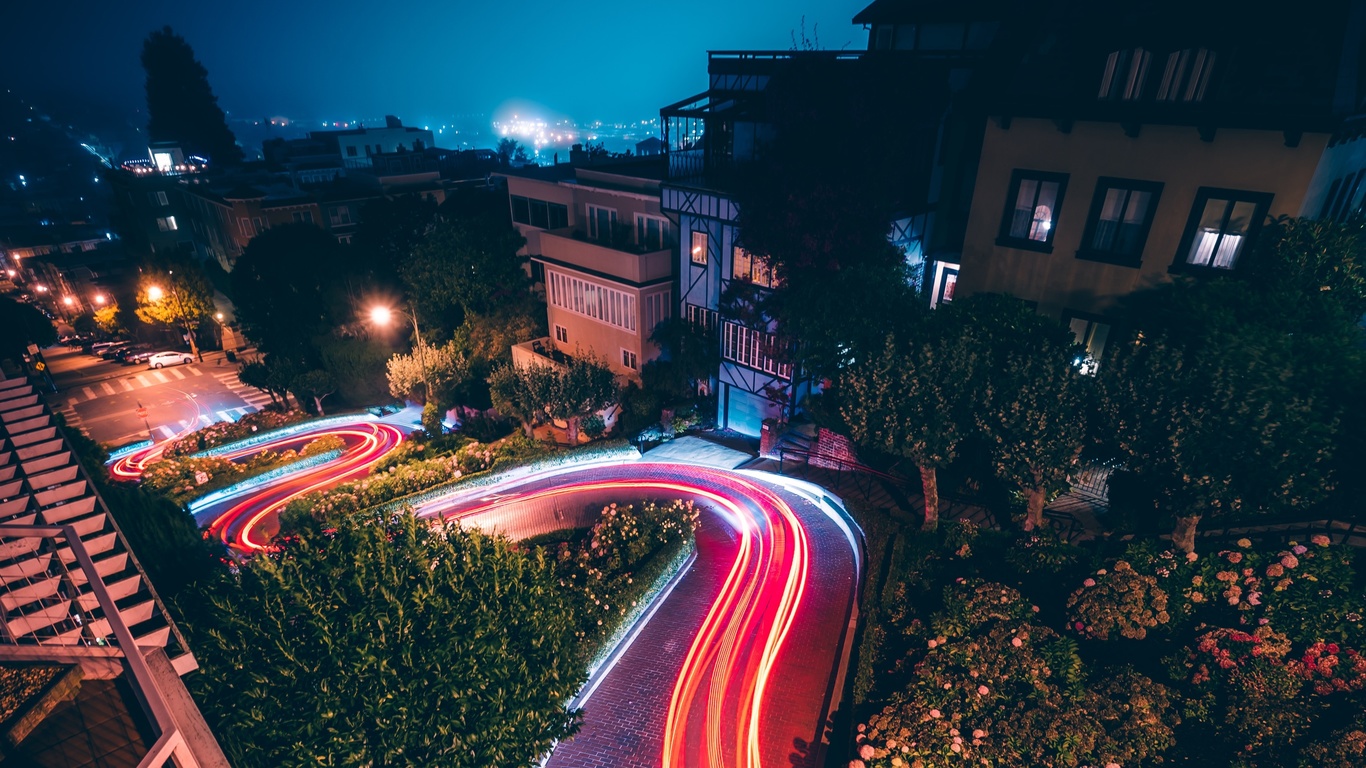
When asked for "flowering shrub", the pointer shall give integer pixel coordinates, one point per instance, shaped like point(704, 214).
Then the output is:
point(228, 431)
point(1000, 698)
point(1043, 552)
point(618, 559)
point(179, 479)
point(1118, 601)
point(399, 480)
point(1330, 669)
point(1345, 748)
point(969, 604)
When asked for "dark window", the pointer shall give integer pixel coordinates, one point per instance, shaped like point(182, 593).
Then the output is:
point(1343, 207)
point(1032, 206)
point(351, 150)
point(1186, 75)
point(559, 216)
point(1329, 200)
point(540, 215)
point(1222, 223)
point(521, 210)
point(1125, 72)
point(1121, 214)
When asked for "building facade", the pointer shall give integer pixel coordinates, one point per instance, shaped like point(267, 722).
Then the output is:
point(1158, 155)
point(603, 252)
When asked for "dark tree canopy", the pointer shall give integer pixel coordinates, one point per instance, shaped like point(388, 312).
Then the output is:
point(464, 265)
point(289, 286)
point(180, 104)
point(23, 324)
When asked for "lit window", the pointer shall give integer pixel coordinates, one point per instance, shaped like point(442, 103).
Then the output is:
point(163, 161)
point(1221, 224)
point(170, 224)
point(1121, 215)
point(1091, 335)
point(749, 268)
point(752, 349)
point(1032, 209)
point(699, 248)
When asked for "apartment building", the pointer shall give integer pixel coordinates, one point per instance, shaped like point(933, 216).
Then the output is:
point(1126, 152)
point(604, 252)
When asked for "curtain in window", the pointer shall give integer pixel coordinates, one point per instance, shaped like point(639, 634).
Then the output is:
point(1121, 221)
point(1034, 206)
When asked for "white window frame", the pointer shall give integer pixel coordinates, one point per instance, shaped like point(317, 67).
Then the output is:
point(762, 276)
point(591, 211)
point(629, 360)
point(747, 347)
point(698, 254)
point(606, 305)
point(561, 334)
point(245, 224)
point(161, 198)
point(642, 225)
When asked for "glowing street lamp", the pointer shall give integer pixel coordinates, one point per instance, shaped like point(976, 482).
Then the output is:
point(382, 315)
point(67, 300)
point(155, 293)
point(40, 288)
point(99, 299)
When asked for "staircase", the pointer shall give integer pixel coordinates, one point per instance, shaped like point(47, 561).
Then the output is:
point(45, 596)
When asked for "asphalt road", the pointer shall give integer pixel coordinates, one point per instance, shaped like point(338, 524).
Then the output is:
point(102, 397)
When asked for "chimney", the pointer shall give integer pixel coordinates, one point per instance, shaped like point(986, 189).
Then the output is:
point(577, 156)
point(392, 122)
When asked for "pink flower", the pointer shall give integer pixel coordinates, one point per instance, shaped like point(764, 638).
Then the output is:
point(1191, 557)
point(956, 747)
point(933, 643)
point(857, 764)
point(1017, 642)
point(982, 690)
point(1299, 549)
point(1320, 540)
point(866, 752)
point(1235, 557)
point(936, 714)
point(1290, 561)
point(1089, 583)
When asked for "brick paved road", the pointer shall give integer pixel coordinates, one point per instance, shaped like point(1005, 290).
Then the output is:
point(792, 557)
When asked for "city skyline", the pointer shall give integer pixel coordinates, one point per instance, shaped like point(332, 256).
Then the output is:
point(437, 60)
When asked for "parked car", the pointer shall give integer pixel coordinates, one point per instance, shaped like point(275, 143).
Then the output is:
point(162, 359)
point(99, 347)
point(112, 351)
point(127, 354)
point(140, 356)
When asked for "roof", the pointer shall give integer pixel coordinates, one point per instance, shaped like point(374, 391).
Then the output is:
point(923, 11)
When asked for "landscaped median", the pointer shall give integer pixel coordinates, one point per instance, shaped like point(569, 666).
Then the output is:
point(187, 478)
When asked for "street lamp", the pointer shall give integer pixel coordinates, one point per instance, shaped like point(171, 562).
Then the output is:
point(67, 300)
point(99, 299)
point(40, 288)
point(382, 315)
point(154, 293)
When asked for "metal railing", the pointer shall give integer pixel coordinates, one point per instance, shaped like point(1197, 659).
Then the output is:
point(170, 743)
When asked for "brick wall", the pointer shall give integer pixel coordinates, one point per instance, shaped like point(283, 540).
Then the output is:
point(834, 446)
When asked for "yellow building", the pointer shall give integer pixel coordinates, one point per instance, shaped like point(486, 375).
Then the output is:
point(1127, 154)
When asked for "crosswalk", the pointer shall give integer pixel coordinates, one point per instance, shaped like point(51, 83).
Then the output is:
point(149, 378)
point(250, 395)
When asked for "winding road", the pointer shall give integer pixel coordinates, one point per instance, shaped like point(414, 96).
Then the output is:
point(742, 661)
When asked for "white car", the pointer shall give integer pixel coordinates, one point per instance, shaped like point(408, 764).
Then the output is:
point(162, 359)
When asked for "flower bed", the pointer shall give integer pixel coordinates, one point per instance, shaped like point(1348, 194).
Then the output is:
point(223, 432)
point(187, 478)
point(612, 568)
point(1246, 656)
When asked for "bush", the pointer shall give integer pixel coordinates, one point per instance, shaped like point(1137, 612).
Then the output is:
point(593, 426)
point(224, 432)
point(486, 429)
point(186, 478)
point(1118, 601)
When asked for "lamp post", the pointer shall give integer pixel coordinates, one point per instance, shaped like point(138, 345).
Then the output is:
point(382, 315)
point(155, 294)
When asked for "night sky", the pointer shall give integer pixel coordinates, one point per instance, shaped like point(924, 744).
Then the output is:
point(609, 60)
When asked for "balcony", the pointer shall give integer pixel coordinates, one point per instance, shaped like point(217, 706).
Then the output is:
point(619, 258)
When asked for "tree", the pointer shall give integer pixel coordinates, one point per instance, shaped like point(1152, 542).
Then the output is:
point(24, 324)
point(176, 294)
point(583, 387)
point(290, 288)
point(464, 266)
point(390, 642)
point(107, 318)
point(316, 384)
point(434, 372)
point(273, 375)
point(691, 355)
point(1031, 398)
point(914, 400)
point(390, 228)
point(357, 365)
point(511, 151)
point(181, 106)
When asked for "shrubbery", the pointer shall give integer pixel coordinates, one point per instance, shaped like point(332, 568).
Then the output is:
point(180, 480)
point(223, 432)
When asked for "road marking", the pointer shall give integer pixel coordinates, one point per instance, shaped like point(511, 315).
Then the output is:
point(204, 417)
point(194, 371)
point(127, 385)
point(108, 388)
point(159, 376)
point(167, 431)
point(142, 379)
point(89, 393)
point(226, 416)
point(176, 372)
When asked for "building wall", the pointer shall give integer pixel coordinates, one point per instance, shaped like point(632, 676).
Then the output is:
point(386, 139)
point(1175, 156)
point(583, 334)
